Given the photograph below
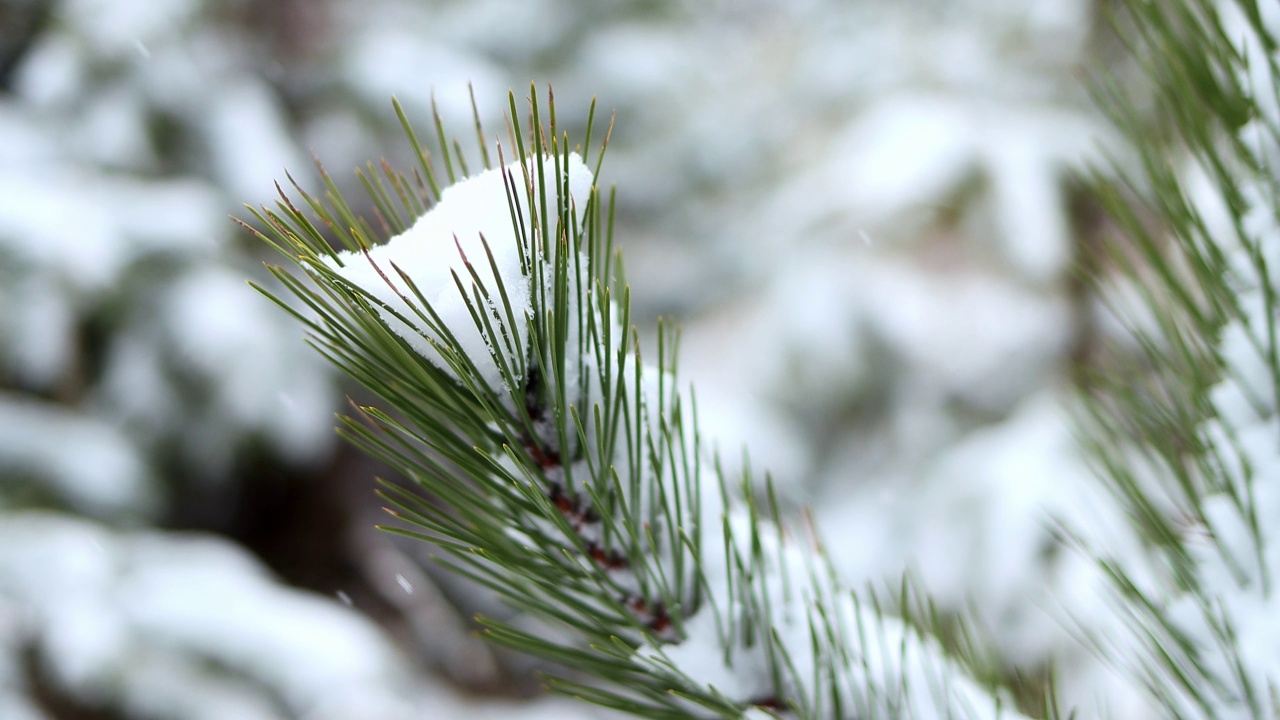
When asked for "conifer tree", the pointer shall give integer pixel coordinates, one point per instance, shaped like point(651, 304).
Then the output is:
point(554, 462)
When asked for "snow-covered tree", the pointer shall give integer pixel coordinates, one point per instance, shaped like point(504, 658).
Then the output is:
point(864, 216)
point(141, 381)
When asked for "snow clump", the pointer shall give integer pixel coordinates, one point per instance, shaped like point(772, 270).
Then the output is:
point(470, 230)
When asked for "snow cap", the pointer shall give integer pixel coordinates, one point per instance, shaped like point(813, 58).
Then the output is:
point(470, 215)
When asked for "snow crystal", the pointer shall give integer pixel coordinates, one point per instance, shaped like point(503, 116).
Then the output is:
point(404, 584)
point(451, 239)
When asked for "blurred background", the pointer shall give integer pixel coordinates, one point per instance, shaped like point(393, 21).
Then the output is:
point(866, 214)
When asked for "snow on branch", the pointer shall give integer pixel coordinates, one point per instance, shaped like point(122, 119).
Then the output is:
point(466, 243)
point(558, 467)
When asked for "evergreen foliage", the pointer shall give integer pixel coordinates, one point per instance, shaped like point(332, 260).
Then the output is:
point(551, 464)
point(1190, 438)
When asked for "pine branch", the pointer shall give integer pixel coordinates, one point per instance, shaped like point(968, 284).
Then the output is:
point(552, 464)
point(1200, 437)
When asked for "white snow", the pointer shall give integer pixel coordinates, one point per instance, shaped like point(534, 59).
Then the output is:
point(51, 219)
point(451, 239)
point(39, 328)
point(388, 60)
point(110, 610)
point(16, 707)
point(890, 670)
point(88, 462)
point(1033, 225)
point(114, 130)
point(220, 328)
point(76, 226)
point(187, 626)
point(53, 72)
point(115, 28)
point(249, 142)
point(721, 159)
point(904, 154)
point(1232, 541)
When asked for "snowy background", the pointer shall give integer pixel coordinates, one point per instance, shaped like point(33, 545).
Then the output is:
point(865, 215)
